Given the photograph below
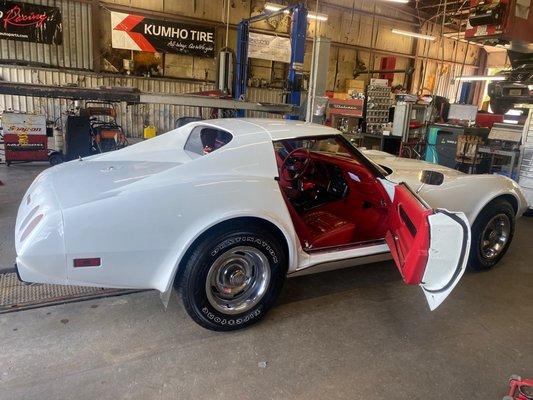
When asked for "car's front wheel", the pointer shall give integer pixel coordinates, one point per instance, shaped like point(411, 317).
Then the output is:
point(492, 233)
point(232, 277)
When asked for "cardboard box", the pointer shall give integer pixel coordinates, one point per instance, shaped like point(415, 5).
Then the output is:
point(340, 95)
point(355, 84)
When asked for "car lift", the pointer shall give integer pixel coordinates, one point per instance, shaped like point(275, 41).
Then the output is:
point(298, 36)
point(134, 96)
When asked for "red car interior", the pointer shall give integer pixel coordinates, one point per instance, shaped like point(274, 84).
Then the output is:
point(336, 202)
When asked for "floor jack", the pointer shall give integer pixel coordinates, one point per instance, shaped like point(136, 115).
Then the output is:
point(519, 389)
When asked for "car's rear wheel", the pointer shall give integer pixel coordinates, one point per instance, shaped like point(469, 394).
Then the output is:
point(232, 277)
point(492, 233)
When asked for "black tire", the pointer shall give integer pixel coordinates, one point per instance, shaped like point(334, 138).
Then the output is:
point(477, 261)
point(55, 159)
point(192, 285)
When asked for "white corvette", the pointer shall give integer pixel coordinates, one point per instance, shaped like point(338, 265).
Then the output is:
point(224, 210)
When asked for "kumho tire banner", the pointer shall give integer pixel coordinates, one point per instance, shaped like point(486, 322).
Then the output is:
point(135, 32)
point(30, 23)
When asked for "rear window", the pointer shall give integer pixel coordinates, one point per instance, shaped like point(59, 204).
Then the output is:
point(204, 140)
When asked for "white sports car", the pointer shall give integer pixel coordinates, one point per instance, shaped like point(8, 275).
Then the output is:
point(224, 210)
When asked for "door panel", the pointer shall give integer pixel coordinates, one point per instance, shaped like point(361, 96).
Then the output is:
point(448, 255)
point(408, 234)
point(428, 246)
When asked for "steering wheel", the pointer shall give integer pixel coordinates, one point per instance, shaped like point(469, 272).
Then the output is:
point(296, 164)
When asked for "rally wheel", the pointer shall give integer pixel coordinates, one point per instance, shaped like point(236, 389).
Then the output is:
point(232, 277)
point(492, 233)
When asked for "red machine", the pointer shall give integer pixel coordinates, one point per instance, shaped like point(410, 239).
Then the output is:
point(500, 22)
point(24, 137)
point(519, 389)
point(486, 120)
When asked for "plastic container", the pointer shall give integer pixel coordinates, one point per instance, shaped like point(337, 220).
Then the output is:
point(149, 132)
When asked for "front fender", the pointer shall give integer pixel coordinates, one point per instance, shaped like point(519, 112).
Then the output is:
point(471, 193)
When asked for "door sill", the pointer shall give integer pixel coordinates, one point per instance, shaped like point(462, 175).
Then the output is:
point(350, 246)
point(345, 257)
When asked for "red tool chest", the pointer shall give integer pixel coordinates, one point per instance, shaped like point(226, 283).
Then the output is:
point(24, 137)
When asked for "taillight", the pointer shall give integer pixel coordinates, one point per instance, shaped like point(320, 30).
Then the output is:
point(31, 226)
point(87, 262)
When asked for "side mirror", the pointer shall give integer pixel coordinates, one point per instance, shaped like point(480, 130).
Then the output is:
point(431, 177)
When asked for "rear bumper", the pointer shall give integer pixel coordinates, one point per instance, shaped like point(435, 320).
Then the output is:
point(39, 237)
point(18, 274)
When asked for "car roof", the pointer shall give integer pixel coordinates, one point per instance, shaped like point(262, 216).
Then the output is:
point(276, 129)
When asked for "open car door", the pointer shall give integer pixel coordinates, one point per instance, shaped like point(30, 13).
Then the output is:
point(430, 247)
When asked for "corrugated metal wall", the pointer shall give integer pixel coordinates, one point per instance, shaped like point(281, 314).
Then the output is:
point(76, 50)
point(261, 95)
point(131, 117)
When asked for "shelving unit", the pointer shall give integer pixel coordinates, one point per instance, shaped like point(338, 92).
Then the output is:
point(378, 102)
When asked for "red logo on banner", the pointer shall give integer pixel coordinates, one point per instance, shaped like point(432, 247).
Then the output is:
point(15, 17)
point(130, 22)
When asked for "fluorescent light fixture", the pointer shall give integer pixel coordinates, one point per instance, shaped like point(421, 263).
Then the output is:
point(480, 78)
point(310, 14)
point(398, 1)
point(273, 6)
point(317, 16)
point(510, 121)
point(413, 34)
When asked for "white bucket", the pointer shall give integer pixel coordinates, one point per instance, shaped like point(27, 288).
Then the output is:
point(59, 140)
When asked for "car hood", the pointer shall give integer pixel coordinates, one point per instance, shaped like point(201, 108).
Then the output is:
point(408, 170)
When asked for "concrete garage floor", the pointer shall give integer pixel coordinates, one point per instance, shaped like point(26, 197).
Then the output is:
point(350, 334)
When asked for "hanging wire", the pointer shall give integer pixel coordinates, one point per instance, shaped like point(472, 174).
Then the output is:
point(227, 22)
point(440, 73)
point(426, 49)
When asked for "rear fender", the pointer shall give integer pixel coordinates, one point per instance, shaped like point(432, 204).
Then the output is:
point(166, 279)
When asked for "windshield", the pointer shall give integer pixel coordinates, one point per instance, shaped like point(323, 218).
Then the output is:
point(384, 170)
point(333, 146)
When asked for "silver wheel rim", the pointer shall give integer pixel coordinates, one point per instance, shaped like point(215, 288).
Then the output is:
point(495, 236)
point(237, 280)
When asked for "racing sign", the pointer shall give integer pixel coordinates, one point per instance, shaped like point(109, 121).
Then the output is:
point(268, 47)
point(135, 32)
point(30, 23)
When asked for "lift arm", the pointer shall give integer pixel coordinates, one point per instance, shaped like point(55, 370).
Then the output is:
point(298, 36)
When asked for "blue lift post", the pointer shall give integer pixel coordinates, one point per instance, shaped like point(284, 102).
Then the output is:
point(298, 36)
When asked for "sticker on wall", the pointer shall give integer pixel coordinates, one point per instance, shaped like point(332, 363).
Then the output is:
point(135, 32)
point(269, 47)
point(30, 23)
